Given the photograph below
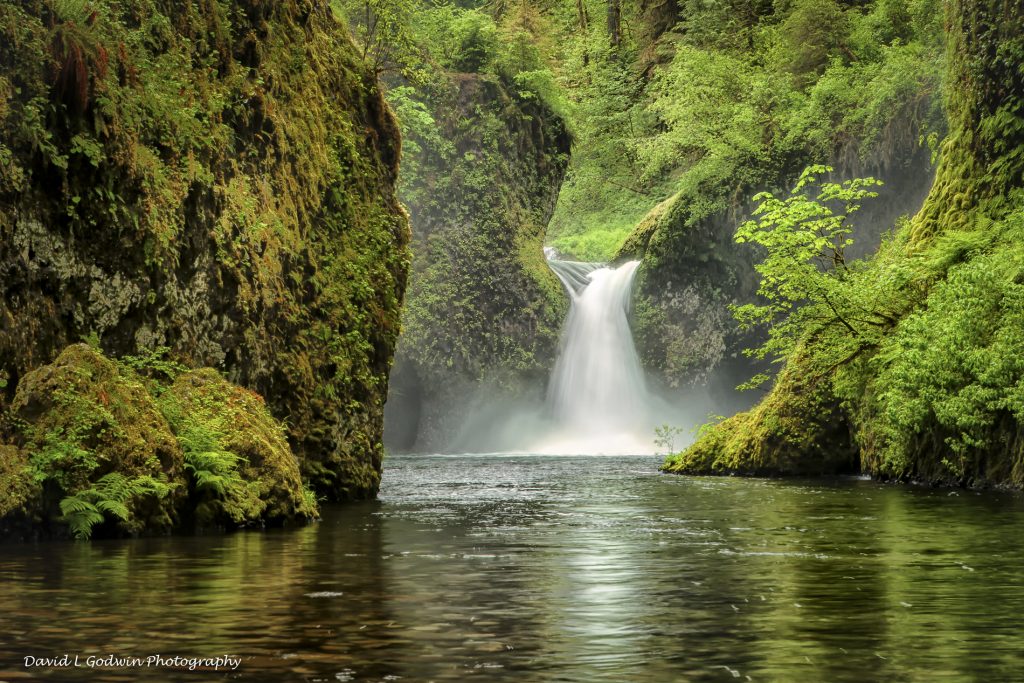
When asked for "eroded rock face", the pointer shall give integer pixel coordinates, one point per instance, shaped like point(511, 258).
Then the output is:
point(484, 310)
point(217, 178)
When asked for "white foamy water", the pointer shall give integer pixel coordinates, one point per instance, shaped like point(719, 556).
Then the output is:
point(597, 397)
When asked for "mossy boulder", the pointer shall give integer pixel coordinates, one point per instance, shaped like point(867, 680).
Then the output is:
point(138, 445)
point(84, 418)
point(241, 470)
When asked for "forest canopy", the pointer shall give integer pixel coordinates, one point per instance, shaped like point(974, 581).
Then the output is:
point(663, 97)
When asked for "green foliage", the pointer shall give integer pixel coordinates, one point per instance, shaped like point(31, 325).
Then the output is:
point(812, 34)
point(938, 397)
point(383, 30)
point(949, 383)
point(806, 282)
point(155, 364)
point(739, 97)
point(709, 423)
point(475, 38)
point(102, 442)
point(665, 436)
point(796, 430)
point(240, 468)
point(594, 245)
point(483, 153)
point(418, 43)
point(96, 442)
point(112, 494)
point(214, 470)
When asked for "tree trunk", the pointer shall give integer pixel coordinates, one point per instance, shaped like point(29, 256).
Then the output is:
point(615, 22)
point(581, 15)
point(981, 158)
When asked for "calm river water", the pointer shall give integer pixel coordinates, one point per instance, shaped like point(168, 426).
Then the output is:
point(534, 568)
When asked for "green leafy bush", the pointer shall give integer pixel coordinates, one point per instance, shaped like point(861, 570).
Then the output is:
point(806, 282)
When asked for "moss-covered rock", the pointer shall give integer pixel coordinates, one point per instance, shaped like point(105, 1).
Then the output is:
point(116, 447)
point(939, 397)
point(483, 307)
point(799, 429)
point(89, 423)
point(19, 491)
point(241, 469)
point(214, 177)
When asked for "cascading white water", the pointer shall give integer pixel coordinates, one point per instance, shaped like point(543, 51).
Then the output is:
point(597, 396)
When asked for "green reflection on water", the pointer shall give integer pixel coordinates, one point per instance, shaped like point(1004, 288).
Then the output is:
point(550, 569)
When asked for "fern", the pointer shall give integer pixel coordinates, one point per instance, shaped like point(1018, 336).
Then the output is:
point(111, 495)
point(80, 515)
point(214, 469)
point(115, 508)
point(153, 363)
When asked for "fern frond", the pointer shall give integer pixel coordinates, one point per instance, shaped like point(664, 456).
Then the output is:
point(116, 508)
point(75, 505)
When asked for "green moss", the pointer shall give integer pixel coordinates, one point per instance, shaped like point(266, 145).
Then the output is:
point(640, 237)
point(483, 307)
point(939, 397)
point(241, 469)
point(798, 429)
point(215, 177)
point(18, 489)
point(982, 159)
point(86, 418)
point(143, 446)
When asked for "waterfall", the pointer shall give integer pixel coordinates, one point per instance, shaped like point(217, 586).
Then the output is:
point(597, 397)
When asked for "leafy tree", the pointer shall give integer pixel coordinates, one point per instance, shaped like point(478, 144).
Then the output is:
point(383, 31)
point(810, 36)
point(807, 283)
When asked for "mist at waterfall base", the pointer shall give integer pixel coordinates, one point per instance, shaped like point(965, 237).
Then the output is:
point(598, 399)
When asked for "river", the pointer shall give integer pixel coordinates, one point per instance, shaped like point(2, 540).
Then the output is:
point(545, 568)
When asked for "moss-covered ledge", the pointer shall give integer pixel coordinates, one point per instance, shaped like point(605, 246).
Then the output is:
point(140, 446)
point(799, 429)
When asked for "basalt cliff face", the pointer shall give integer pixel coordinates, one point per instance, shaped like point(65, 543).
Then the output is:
point(484, 310)
point(216, 177)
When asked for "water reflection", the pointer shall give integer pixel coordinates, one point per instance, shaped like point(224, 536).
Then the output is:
point(551, 569)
